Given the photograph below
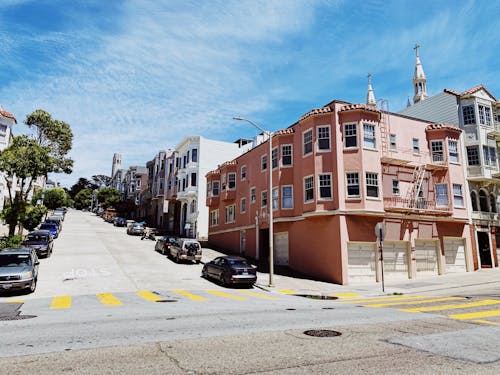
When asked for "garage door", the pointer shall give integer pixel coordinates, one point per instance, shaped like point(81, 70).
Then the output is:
point(396, 258)
point(425, 256)
point(281, 248)
point(454, 251)
point(361, 260)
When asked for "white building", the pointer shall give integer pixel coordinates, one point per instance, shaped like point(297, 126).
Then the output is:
point(7, 121)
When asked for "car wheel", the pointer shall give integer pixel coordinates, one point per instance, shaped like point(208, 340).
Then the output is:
point(32, 287)
point(204, 273)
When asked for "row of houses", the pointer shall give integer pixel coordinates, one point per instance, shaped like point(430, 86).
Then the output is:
point(428, 173)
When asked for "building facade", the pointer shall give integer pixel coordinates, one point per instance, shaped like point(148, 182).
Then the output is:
point(337, 172)
point(7, 121)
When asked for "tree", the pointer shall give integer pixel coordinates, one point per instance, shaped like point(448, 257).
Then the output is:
point(55, 197)
point(82, 183)
point(34, 216)
point(108, 197)
point(83, 199)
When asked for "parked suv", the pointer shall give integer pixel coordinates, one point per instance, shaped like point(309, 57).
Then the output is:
point(163, 244)
point(18, 269)
point(186, 249)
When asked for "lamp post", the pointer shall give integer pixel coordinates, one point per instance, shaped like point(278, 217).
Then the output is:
point(269, 196)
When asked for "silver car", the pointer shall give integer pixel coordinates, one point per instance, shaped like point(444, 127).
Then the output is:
point(185, 249)
point(18, 269)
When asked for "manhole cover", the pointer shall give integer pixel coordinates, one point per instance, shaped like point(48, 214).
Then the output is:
point(316, 296)
point(17, 317)
point(322, 333)
point(166, 300)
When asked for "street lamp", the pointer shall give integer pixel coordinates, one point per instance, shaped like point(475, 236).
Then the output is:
point(269, 196)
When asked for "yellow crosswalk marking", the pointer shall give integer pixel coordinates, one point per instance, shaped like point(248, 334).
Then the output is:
point(61, 302)
point(14, 301)
point(475, 315)
point(286, 291)
point(345, 295)
point(191, 296)
point(258, 295)
point(485, 302)
point(386, 298)
point(226, 295)
point(109, 299)
point(148, 296)
point(388, 304)
point(486, 322)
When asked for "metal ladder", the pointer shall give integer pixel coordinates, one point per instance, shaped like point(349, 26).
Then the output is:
point(418, 178)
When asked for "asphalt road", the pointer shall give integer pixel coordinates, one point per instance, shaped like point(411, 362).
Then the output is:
point(106, 303)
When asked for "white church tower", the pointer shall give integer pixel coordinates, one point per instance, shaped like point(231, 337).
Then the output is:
point(419, 80)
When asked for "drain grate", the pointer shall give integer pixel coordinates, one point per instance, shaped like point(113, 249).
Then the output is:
point(167, 300)
point(16, 317)
point(316, 296)
point(322, 333)
point(328, 308)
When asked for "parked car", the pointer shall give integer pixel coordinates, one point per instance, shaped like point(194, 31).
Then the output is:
point(119, 222)
point(136, 229)
point(163, 244)
point(56, 220)
point(52, 227)
point(185, 249)
point(59, 213)
point(41, 241)
point(230, 270)
point(18, 269)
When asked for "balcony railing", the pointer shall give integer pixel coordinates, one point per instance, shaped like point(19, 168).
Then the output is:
point(418, 205)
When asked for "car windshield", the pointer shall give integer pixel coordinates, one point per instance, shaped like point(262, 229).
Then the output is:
point(238, 263)
point(14, 260)
point(48, 226)
point(37, 237)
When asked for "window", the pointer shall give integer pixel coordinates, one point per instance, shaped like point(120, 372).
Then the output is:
point(437, 151)
point(458, 198)
point(193, 179)
point(263, 199)
point(468, 113)
point(307, 142)
point(490, 156)
point(369, 136)
point(274, 158)
point(395, 187)
point(286, 155)
point(184, 161)
point(223, 181)
point(209, 188)
point(350, 135)
point(392, 141)
point(214, 217)
point(441, 195)
point(263, 162)
point(243, 205)
point(230, 213)
point(215, 188)
point(194, 155)
point(473, 155)
point(192, 207)
point(275, 199)
point(372, 184)
point(287, 196)
point(352, 185)
point(231, 181)
point(324, 138)
point(416, 147)
point(187, 157)
point(243, 172)
point(453, 151)
point(325, 186)
point(253, 196)
point(484, 115)
point(308, 189)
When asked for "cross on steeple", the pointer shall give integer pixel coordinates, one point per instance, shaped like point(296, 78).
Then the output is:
point(417, 46)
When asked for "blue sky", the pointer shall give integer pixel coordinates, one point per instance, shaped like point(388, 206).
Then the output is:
point(137, 76)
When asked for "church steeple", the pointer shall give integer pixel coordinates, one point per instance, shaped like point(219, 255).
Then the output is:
point(419, 80)
point(370, 96)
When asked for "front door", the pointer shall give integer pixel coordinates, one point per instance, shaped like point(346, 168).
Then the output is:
point(483, 242)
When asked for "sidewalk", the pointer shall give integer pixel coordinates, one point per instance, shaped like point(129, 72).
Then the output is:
point(285, 280)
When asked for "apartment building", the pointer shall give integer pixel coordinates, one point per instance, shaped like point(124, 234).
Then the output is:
point(337, 172)
point(7, 121)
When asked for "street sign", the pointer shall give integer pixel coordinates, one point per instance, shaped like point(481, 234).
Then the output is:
point(380, 231)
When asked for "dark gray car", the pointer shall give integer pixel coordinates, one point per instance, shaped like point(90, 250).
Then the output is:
point(18, 269)
point(40, 240)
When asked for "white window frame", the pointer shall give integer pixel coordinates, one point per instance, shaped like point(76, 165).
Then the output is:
point(283, 165)
point(469, 118)
point(372, 180)
point(218, 188)
point(262, 169)
point(458, 195)
point(304, 154)
point(357, 196)
point(306, 182)
point(487, 156)
point(262, 194)
point(243, 205)
point(321, 137)
point(275, 198)
point(453, 154)
point(283, 197)
point(415, 144)
point(436, 188)
point(320, 186)
point(393, 144)
point(395, 188)
point(370, 137)
point(353, 125)
point(214, 218)
point(253, 195)
point(243, 173)
point(274, 152)
point(230, 214)
point(231, 175)
point(470, 156)
point(436, 151)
